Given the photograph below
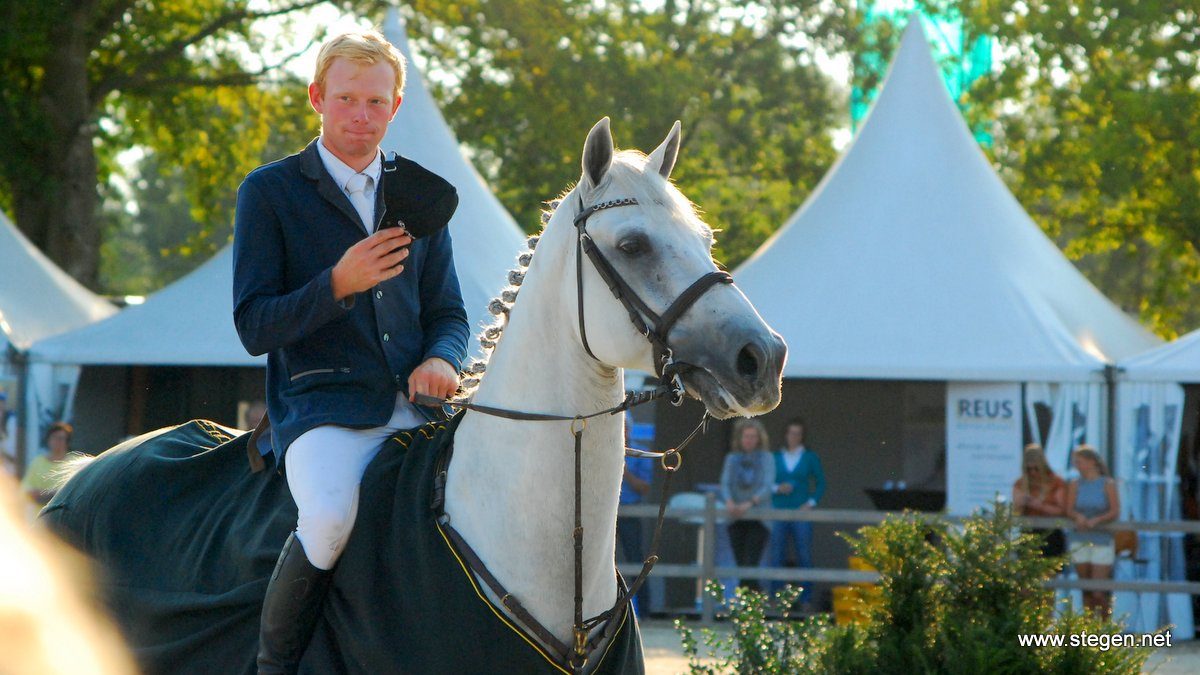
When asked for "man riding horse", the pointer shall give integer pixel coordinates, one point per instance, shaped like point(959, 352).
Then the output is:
point(357, 318)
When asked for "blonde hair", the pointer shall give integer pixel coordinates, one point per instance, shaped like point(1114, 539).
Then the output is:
point(1033, 454)
point(1089, 451)
point(741, 425)
point(368, 47)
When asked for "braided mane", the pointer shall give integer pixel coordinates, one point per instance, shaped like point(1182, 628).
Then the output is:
point(500, 307)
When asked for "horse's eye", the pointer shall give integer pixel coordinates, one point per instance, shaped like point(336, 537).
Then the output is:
point(632, 245)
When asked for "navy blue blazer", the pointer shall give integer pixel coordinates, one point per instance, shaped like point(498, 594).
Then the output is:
point(333, 362)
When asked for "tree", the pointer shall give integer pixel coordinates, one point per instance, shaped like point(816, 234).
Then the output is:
point(173, 211)
point(1097, 111)
point(82, 80)
point(529, 77)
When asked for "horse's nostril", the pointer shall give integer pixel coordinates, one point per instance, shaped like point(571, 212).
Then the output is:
point(748, 360)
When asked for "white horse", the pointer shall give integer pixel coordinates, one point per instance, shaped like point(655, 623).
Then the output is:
point(509, 489)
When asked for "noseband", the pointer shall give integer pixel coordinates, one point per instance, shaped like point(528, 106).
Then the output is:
point(665, 365)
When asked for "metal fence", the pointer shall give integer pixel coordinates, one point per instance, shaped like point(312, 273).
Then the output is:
point(707, 519)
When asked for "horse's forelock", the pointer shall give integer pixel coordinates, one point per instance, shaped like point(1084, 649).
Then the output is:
point(630, 178)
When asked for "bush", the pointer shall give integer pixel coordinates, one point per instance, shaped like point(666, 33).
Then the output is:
point(953, 599)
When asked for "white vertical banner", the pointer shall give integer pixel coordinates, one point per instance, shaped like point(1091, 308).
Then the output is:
point(1149, 425)
point(983, 443)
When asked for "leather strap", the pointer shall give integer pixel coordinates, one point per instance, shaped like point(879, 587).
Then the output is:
point(666, 322)
point(253, 455)
point(507, 599)
point(631, 400)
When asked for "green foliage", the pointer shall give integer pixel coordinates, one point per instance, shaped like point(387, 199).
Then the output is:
point(183, 196)
point(195, 84)
point(756, 645)
point(953, 599)
point(1097, 111)
point(203, 125)
point(529, 78)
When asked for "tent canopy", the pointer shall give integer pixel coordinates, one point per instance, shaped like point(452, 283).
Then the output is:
point(187, 323)
point(190, 322)
point(911, 260)
point(486, 238)
point(1178, 361)
point(37, 299)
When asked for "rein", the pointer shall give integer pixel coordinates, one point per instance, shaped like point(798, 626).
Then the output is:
point(669, 385)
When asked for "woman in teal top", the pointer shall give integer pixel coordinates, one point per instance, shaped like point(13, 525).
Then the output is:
point(799, 484)
point(1092, 500)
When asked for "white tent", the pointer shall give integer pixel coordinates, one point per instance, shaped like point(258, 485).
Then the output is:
point(187, 323)
point(486, 238)
point(1178, 361)
point(190, 322)
point(911, 260)
point(37, 299)
point(1151, 426)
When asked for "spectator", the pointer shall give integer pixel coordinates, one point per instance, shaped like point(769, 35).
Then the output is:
point(1092, 500)
point(746, 481)
point(635, 487)
point(254, 414)
point(40, 480)
point(1039, 492)
point(799, 484)
point(8, 437)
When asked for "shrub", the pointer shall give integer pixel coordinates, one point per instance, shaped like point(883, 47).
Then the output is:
point(953, 599)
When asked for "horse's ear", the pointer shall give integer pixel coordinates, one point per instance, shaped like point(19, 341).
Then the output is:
point(597, 153)
point(663, 157)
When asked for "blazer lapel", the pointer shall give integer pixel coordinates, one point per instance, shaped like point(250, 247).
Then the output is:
point(313, 169)
point(380, 202)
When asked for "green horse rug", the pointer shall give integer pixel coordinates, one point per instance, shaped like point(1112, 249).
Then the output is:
point(186, 538)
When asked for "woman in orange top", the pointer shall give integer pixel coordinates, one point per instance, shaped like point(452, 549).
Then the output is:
point(1040, 492)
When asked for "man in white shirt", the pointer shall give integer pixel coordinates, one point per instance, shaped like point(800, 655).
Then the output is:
point(356, 320)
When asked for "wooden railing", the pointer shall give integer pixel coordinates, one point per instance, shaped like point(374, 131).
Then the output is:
point(705, 568)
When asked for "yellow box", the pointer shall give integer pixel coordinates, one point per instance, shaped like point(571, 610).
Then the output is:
point(854, 602)
point(858, 563)
point(843, 596)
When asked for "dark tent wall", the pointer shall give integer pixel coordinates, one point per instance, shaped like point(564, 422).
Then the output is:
point(866, 433)
point(1189, 476)
point(114, 402)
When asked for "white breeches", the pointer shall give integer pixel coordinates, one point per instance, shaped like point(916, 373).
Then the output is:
point(324, 468)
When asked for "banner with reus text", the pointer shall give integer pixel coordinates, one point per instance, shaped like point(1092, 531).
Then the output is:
point(983, 443)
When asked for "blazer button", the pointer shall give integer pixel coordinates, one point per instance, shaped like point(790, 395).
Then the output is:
point(386, 337)
point(378, 294)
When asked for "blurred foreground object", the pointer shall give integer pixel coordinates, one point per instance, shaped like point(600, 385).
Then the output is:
point(47, 621)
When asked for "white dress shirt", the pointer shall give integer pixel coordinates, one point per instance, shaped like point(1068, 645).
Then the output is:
point(791, 459)
point(342, 174)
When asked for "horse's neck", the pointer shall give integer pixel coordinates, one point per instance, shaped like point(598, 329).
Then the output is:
point(510, 487)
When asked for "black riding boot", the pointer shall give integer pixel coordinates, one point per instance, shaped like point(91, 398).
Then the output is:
point(290, 610)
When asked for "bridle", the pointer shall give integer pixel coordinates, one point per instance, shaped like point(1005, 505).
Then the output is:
point(667, 369)
point(664, 357)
